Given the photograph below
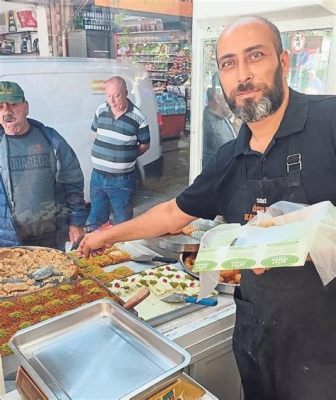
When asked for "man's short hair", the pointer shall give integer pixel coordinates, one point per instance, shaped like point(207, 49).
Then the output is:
point(276, 33)
point(118, 79)
point(273, 28)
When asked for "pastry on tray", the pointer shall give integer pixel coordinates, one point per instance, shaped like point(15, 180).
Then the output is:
point(160, 281)
point(21, 268)
point(94, 264)
point(22, 311)
point(111, 256)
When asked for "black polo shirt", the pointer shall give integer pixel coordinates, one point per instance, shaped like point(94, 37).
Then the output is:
point(312, 118)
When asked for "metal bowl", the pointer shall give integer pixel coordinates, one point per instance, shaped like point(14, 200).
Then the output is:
point(180, 242)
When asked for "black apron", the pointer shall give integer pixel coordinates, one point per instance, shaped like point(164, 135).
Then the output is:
point(285, 333)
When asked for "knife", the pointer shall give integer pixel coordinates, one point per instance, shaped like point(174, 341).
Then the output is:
point(183, 298)
point(151, 258)
point(70, 246)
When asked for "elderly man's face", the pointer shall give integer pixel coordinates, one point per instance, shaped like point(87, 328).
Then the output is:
point(116, 96)
point(251, 73)
point(13, 117)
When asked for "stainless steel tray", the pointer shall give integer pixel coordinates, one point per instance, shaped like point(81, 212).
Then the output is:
point(181, 242)
point(96, 351)
point(135, 249)
point(226, 288)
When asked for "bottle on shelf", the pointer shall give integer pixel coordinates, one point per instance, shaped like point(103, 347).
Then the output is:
point(11, 22)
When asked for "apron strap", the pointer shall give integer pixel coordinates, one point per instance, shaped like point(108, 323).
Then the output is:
point(294, 159)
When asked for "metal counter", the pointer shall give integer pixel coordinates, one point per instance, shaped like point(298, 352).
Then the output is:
point(205, 334)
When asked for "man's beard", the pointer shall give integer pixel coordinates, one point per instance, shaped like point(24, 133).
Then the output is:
point(254, 111)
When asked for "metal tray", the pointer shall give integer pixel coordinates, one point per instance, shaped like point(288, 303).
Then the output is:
point(181, 242)
point(11, 362)
point(153, 310)
point(134, 249)
point(98, 350)
point(226, 288)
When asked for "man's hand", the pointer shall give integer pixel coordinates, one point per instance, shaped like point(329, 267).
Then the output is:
point(259, 271)
point(142, 148)
point(93, 241)
point(75, 233)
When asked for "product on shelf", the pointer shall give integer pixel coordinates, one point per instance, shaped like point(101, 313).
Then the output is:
point(170, 103)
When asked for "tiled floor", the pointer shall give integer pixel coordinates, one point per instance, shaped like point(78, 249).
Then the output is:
point(174, 180)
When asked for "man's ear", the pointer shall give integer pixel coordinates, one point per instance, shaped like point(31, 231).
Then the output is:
point(284, 60)
point(27, 107)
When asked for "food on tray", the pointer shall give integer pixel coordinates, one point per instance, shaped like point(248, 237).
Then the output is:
point(110, 256)
point(230, 276)
point(226, 276)
point(22, 311)
point(189, 260)
point(160, 281)
point(188, 230)
point(97, 272)
point(122, 271)
point(23, 270)
point(92, 266)
point(181, 389)
point(103, 276)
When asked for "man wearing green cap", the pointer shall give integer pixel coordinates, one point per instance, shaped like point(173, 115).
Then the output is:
point(41, 182)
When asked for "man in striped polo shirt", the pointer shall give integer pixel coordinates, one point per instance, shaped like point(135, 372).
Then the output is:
point(122, 135)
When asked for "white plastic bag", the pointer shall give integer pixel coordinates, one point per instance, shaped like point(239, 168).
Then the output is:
point(292, 229)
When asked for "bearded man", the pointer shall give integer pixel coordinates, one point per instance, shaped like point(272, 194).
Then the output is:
point(285, 333)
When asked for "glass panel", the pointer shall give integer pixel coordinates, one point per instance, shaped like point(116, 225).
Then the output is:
point(309, 52)
point(151, 52)
point(218, 123)
point(163, 48)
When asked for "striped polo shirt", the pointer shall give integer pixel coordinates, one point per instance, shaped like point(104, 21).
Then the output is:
point(115, 147)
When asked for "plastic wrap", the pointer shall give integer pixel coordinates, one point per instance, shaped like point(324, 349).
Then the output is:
point(280, 237)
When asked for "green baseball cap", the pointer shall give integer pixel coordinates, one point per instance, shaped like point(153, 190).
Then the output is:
point(11, 92)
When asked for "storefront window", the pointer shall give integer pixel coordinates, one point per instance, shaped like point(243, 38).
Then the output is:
point(309, 52)
point(218, 123)
point(78, 47)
